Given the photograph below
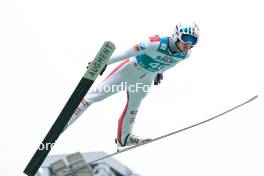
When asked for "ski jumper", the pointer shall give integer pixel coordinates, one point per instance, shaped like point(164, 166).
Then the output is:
point(138, 68)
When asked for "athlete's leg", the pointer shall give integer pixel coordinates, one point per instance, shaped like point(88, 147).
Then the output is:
point(134, 98)
point(102, 91)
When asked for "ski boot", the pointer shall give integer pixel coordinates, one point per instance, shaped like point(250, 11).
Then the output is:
point(131, 140)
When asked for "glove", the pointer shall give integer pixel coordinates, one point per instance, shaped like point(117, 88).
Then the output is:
point(101, 73)
point(89, 63)
point(158, 79)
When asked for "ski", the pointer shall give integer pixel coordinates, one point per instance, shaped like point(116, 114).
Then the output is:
point(164, 136)
point(75, 99)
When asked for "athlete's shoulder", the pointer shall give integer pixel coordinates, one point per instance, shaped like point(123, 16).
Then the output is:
point(151, 43)
point(154, 39)
point(158, 39)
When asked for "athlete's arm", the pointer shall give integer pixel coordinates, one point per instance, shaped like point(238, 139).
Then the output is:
point(117, 57)
point(136, 50)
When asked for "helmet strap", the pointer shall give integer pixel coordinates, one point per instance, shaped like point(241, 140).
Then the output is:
point(172, 45)
point(177, 45)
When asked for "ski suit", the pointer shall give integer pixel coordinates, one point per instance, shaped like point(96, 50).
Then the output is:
point(140, 64)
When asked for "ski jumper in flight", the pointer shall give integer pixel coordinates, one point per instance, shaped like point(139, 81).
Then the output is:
point(140, 66)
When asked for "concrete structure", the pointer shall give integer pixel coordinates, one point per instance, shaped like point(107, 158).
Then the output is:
point(55, 165)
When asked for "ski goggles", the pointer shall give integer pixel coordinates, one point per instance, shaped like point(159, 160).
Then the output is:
point(188, 39)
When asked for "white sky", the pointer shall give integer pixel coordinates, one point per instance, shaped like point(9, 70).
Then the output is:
point(44, 49)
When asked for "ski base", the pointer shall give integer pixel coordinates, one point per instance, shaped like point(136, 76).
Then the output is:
point(75, 99)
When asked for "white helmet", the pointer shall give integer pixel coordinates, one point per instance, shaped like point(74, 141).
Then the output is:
point(187, 32)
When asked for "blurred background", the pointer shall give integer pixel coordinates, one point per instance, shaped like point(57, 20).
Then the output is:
point(46, 45)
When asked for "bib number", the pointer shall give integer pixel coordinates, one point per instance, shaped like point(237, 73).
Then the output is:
point(157, 66)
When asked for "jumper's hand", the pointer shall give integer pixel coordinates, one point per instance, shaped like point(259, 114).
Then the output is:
point(158, 79)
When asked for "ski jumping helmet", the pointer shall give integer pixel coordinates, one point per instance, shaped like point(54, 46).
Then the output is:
point(187, 32)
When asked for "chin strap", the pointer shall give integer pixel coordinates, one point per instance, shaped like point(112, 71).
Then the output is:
point(173, 45)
